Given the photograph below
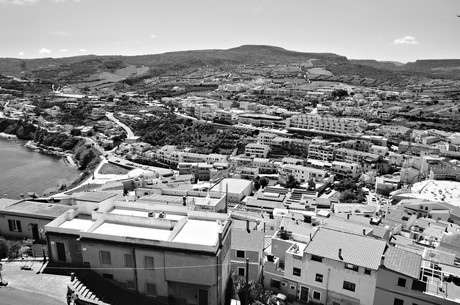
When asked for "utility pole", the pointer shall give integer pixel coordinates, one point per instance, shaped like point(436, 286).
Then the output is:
point(246, 298)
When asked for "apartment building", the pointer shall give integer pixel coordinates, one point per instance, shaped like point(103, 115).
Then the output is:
point(321, 150)
point(171, 155)
point(247, 244)
point(257, 150)
point(301, 173)
point(345, 169)
point(262, 120)
point(170, 251)
point(322, 265)
point(265, 138)
point(326, 123)
point(405, 278)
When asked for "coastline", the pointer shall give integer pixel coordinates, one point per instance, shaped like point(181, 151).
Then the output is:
point(8, 136)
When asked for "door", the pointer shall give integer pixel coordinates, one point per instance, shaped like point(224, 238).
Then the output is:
point(203, 297)
point(304, 294)
point(61, 252)
point(35, 234)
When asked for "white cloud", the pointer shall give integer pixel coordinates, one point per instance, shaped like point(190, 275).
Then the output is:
point(82, 50)
point(153, 36)
point(406, 40)
point(44, 51)
point(63, 50)
point(21, 53)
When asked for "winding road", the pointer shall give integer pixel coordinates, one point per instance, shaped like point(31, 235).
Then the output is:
point(129, 132)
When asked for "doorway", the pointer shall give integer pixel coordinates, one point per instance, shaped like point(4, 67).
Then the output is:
point(60, 247)
point(35, 234)
point(203, 297)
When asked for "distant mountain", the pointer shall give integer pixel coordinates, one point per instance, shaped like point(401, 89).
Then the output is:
point(435, 68)
point(104, 71)
point(166, 62)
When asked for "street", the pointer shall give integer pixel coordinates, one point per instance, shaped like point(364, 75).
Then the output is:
point(12, 296)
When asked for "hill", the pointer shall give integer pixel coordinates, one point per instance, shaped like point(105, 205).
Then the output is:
point(433, 68)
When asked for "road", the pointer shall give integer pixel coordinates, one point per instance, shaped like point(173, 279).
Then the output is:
point(129, 132)
point(13, 296)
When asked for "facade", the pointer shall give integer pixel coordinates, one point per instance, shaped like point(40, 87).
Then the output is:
point(247, 245)
point(171, 252)
point(327, 123)
point(27, 219)
point(401, 281)
point(257, 150)
point(321, 150)
point(301, 173)
point(237, 189)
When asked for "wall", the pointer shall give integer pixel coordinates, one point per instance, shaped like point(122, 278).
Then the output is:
point(387, 290)
point(26, 231)
point(72, 248)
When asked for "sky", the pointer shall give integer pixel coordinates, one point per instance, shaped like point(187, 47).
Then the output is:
point(394, 30)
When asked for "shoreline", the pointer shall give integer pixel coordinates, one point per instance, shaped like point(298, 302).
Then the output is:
point(8, 136)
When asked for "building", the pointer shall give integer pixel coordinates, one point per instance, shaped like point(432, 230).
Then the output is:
point(321, 150)
point(27, 219)
point(402, 280)
point(247, 244)
point(301, 173)
point(236, 189)
point(171, 252)
point(326, 123)
point(257, 150)
point(342, 268)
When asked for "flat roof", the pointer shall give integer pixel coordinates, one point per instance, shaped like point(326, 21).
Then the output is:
point(234, 185)
point(199, 232)
point(37, 209)
point(132, 231)
point(77, 224)
point(93, 196)
point(139, 213)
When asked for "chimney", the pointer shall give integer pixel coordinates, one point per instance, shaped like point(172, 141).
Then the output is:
point(340, 254)
point(247, 226)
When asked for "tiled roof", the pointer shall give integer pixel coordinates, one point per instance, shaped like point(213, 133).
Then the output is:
point(403, 261)
point(242, 240)
point(356, 249)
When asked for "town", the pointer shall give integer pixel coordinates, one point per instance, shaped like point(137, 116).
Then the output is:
point(276, 183)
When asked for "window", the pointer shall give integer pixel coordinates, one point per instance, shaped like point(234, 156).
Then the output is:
point(316, 295)
point(105, 257)
point(130, 285)
point(349, 286)
point(241, 271)
point(107, 276)
point(367, 271)
point(129, 261)
point(317, 258)
point(319, 278)
point(150, 289)
point(401, 282)
point(351, 267)
point(15, 225)
point(296, 271)
point(148, 262)
point(275, 284)
point(398, 302)
point(240, 253)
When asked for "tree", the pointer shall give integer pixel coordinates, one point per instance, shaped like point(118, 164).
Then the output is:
point(263, 182)
point(292, 182)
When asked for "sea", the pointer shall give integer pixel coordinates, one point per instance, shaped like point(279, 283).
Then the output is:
point(23, 170)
